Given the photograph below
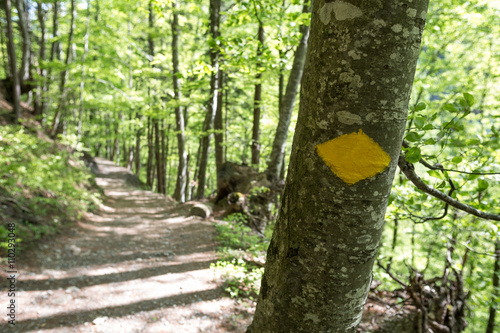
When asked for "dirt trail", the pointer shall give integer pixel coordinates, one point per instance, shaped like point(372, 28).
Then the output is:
point(138, 265)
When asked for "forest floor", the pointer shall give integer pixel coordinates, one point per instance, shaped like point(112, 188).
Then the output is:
point(139, 264)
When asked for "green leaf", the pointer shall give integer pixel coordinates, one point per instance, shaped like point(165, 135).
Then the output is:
point(450, 107)
point(469, 98)
point(482, 184)
point(430, 141)
point(412, 137)
point(428, 127)
point(472, 177)
point(419, 122)
point(457, 159)
point(420, 106)
point(413, 155)
point(435, 174)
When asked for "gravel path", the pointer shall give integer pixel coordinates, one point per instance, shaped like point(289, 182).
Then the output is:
point(140, 264)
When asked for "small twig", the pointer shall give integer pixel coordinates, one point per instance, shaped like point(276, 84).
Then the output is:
point(394, 277)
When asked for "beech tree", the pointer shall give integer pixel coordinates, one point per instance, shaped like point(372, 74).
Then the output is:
point(356, 87)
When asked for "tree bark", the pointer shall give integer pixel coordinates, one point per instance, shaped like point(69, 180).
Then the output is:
point(138, 152)
point(257, 101)
point(64, 74)
point(215, 7)
point(156, 130)
point(218, 127)
point(356, 87)
point(42, 85)
point(151, 46)
point(24, 70)
point(287, 104)
point(163, 159)
point(149, 166)
point(11, 49)
point(496, 285)
point(82, 81)
point(55, 50)
point(180, 184)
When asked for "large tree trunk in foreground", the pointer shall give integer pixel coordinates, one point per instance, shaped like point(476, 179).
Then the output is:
point(287, 104)
point(355, 92)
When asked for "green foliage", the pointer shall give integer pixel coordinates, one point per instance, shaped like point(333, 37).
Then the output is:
point(239, 249)
point(44, 180)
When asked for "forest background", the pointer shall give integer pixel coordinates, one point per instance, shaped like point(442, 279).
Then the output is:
point(172, 92)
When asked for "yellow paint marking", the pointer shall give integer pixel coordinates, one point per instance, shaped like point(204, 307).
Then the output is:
point(353, 157)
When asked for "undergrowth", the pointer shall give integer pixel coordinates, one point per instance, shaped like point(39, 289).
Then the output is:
point(42, 186)
point(241, 255)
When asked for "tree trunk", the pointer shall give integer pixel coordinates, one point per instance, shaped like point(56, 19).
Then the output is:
point(151, 46)
point(496, 285)
point(42, 83)
point(64, 74)
point(82, 81)
point(138, 152)
point(288, 103)
point(188, 181)
point(257, 101)
point(55, 50)
point(149, 170)
point(166, 166)
point(352, 117)
point(215, 7)
point(163, 158)
point(11, 49)
point(24, 70)
point(180, 184)
point(218, 127)
point(157, 156)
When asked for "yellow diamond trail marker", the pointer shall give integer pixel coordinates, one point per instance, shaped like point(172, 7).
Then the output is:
point(353, 157)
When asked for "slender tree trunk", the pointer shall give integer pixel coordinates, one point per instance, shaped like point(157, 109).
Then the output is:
point(149, 170)
point(180, 184)
point(151, 46)
point(163, 159)
point(215, 7)
point(64, 74)
point(288, 103)
point(496, 285)
point(257, 100)
point(55, 50)
point(218, 127)
point(82, 82)
point(156, 129)
point(188, 181)
point(138, 152)
point(41, 90)
point(347, 142)
point(11, 49)
point(226, 118)
point(24, 70)
point(167, 161)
